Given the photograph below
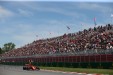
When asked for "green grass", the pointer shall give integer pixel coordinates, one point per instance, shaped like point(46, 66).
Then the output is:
point(81, 70)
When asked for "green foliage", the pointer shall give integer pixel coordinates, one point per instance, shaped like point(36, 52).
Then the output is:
point(8, 46)
point(0, 51)
point(81, 70)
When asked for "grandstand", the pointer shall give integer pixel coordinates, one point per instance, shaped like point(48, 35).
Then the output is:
point(88, 48)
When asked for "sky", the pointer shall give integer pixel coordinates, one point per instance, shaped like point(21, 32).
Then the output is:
point(22, 22)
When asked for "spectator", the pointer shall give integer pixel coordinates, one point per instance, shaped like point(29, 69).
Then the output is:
point(93, 39)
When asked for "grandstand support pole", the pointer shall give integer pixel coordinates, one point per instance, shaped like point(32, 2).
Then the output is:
point(52, 63)
point(64, 62)
point(72, 62)
point(84, 58)
point(45, 61)
point(100, 62)
point(58, 62)
point(89, 66)
point(95, 57)
point(80, 60)
point(89, 58)
point(106, 57)
point(100, 59)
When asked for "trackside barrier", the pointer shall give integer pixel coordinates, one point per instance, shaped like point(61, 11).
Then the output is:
point(63, 60)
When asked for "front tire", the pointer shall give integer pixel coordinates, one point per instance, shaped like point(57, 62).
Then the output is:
point(24, 68)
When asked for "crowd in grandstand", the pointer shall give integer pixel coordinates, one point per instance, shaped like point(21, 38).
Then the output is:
point(95, 39)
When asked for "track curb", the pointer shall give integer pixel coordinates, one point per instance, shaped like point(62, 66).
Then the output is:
point(72, 72)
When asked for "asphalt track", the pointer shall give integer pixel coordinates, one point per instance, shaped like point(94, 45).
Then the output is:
point(17, 70)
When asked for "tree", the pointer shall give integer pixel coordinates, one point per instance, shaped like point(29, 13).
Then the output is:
point(8, 46)
point(0, 51)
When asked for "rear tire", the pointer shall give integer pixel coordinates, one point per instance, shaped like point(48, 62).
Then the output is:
point(37, 68)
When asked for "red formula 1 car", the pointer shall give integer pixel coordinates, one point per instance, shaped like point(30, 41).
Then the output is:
point(30, 67)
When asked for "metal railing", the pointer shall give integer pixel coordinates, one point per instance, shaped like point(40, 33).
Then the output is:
point(77, 53)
